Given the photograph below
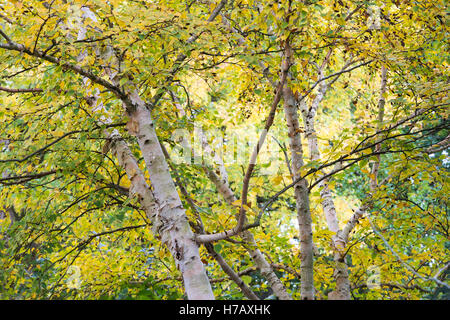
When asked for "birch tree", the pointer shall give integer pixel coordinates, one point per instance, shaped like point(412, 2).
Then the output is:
point(314, 140)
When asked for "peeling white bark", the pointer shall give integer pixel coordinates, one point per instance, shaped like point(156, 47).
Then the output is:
point(301, 195)
point(169, 220)
point(174, 227)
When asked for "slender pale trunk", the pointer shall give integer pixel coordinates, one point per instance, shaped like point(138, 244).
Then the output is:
point(301, 193)
point(264, 267)
point(340, 239)
point(250, 244)
point(314, 154)
point(342, 291)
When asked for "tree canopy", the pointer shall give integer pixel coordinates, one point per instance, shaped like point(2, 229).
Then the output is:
point(233, 149)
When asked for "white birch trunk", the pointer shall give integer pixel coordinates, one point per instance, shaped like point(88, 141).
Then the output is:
point(342, 291)
point(169, 220)
point(301, 193)
point(174, 227)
